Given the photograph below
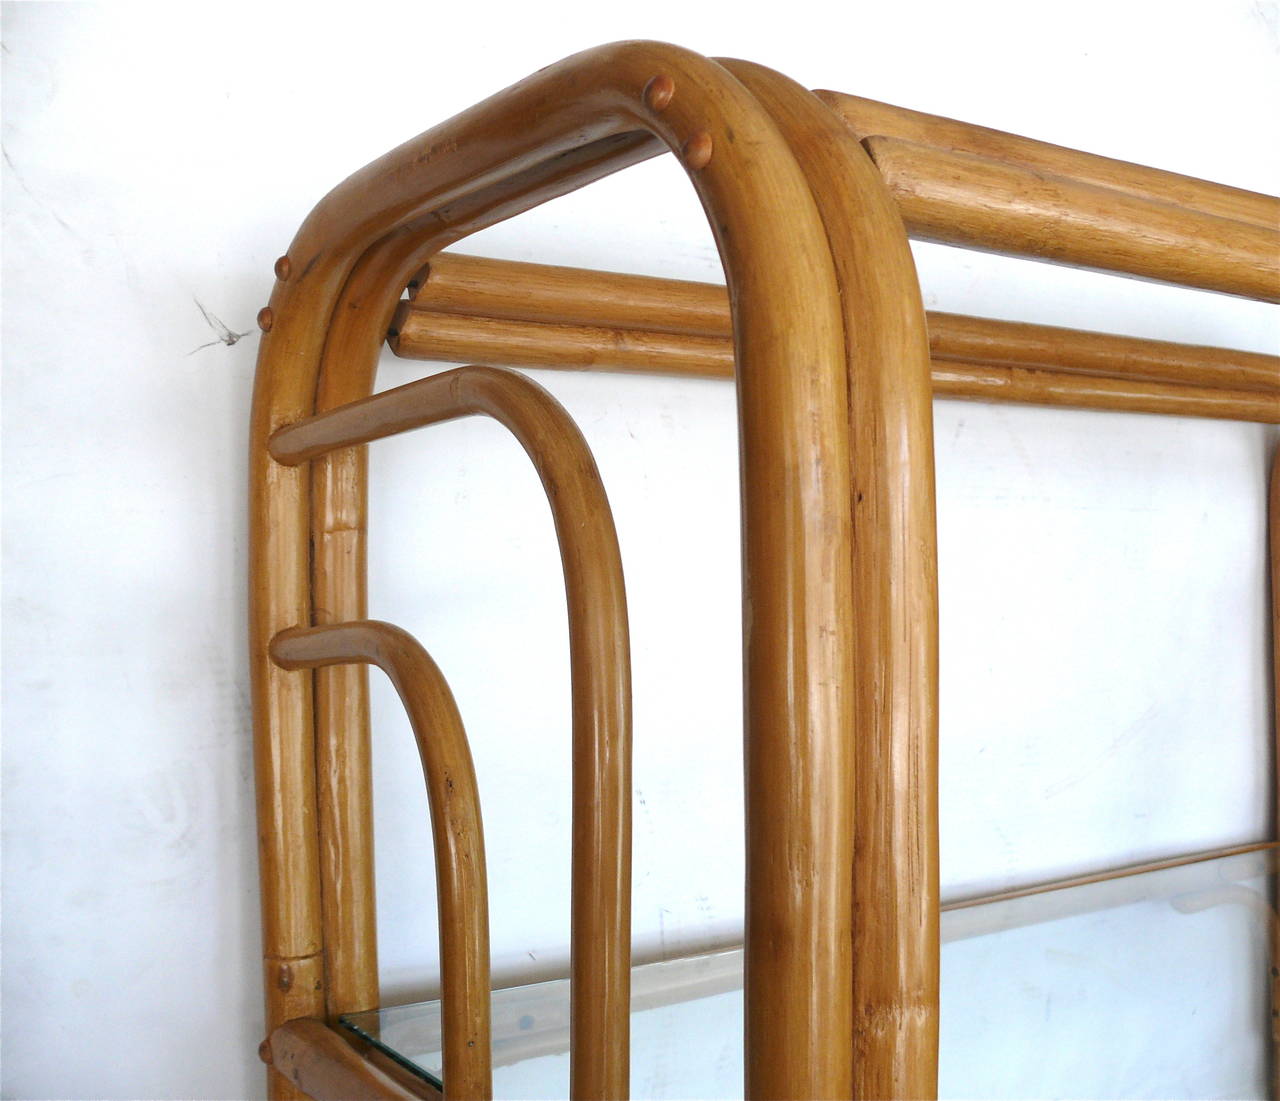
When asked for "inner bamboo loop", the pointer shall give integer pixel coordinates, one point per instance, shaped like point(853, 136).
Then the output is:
point(456, 827)
point(599, 654)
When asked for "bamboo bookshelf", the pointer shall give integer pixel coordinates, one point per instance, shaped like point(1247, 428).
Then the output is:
point(812, 198)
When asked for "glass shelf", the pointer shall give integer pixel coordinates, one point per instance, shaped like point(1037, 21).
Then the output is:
point(1150, 985)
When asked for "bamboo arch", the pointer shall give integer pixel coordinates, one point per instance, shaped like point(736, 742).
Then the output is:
point(825, 363)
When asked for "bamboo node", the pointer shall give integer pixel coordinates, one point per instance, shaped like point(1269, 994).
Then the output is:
point(265, 319)
point(658, 92)
point(264, 1051)
point(697, 151)
point(282, 269)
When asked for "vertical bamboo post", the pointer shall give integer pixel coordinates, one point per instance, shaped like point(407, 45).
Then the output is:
point(284, 759)
point(1273, 524)
point(894, 608)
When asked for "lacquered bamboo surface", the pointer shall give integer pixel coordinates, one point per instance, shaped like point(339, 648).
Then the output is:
point(979, 188)
point(645, 308)
point(530, 315)
point(566, 125)
point(961, 199)
point(895, 601)
point(1273, 529)
point(802, 275)
point(338, 540)
point(457, 832)
point(870, 118)
point(599, 652)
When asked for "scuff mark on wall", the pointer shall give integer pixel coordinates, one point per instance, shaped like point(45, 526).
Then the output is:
point(225, 335)
point(22, 183)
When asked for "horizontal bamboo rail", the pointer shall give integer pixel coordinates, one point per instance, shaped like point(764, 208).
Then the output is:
point(960, 199)
point(979, 188)
point(599, 654)
point(457, 832)
point(868, 118)
point(534, 315)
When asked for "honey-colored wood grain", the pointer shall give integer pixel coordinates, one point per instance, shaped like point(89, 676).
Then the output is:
point(492, 160)
point(457, 832)
point(318, 1063)
point(457, 283)
point(537, 315)
point(1273, 578)
point(1034, 387)
point(448, 337)
point(959, 339)
point(894, 610)
point(869, 118)
point(648, 310)
point(962, 199)
point(452, 337)
point(348, 362)
point(599, 649)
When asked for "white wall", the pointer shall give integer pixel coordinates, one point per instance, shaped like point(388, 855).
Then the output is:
point(1104, 685)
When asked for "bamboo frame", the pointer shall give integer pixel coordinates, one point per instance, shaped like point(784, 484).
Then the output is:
point(810, 206)
point(566, 125)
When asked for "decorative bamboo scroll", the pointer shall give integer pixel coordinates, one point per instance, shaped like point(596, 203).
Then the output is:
point(600, 660)
point(462, 893)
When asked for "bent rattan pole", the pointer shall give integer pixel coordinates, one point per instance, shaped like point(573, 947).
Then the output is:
point(645, 315)
point(895, 881)
point(869, 118)
point(598, 639)
point(961, 199)
point(339, 538)
point(457, 832)
point(451, 337)
point(783, 292)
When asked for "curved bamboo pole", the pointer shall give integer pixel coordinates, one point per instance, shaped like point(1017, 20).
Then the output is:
point(794, 442)
point(894, 876)
point(598, 643)
point(338, 534)
point(457, 831)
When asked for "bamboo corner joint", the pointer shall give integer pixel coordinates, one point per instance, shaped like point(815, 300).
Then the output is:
point(811, 198)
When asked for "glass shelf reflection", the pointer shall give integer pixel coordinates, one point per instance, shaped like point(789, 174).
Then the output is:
point(1151, 985)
